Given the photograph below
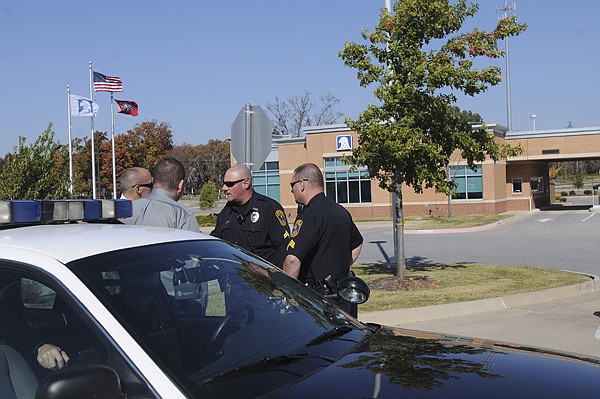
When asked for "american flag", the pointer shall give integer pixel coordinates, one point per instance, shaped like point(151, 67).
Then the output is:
point(107, 83)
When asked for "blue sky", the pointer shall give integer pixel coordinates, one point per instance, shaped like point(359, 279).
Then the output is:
point(194, 64)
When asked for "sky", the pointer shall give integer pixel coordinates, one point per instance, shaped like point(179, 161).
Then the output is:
point(194, 64)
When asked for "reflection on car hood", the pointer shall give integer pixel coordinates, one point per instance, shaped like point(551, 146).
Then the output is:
point(408, 364)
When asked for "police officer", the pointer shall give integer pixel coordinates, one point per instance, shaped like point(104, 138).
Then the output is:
point(251, 220)
point(324, 239)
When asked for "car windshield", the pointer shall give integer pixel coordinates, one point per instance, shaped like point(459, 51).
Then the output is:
point(206, 310)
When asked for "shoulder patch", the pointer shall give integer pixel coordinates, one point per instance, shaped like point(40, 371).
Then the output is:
point(281, 217)
point(296, 227)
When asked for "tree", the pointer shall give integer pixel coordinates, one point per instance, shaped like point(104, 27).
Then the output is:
point(578, 180)
point(293, 114)
point(150, 141)
point(203, 162)
point(37, 171)
point(146, 144)
point(82, 165)
point(209, 195)
point(419, 69)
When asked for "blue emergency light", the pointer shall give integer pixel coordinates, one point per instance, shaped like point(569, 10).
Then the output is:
point(52, 211)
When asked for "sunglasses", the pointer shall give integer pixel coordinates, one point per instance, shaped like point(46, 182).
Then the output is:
point(293, 183)
point(148, 185)
point(233, 183)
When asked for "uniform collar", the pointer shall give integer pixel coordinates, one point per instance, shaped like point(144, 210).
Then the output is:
point(317, 198)
point(245, 208)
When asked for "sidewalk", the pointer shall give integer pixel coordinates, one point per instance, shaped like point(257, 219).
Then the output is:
point(559, 319)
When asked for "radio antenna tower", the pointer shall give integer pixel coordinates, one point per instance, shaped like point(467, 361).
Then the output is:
point(507, 10)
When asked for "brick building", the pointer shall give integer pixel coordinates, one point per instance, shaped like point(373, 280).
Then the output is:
point(517, 184)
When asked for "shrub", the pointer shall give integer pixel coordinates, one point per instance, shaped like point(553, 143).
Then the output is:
point(207, 220)
point(587, 192)
point(209, 195)
point(564, 193)
point(572, 192)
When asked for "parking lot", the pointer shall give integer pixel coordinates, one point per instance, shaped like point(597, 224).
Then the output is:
point(557, 239)
point(561, 319)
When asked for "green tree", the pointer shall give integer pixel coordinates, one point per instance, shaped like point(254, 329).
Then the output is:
point(420, 63)
point(578, 180)
point(209, 195)
point(37, 171)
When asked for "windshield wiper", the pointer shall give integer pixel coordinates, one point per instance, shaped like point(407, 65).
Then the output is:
point(337, 331)
point(265, 364)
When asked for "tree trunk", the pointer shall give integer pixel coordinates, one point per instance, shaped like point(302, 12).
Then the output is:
point(400, 259)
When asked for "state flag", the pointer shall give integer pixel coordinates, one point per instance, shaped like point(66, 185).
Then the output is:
point(127, 107)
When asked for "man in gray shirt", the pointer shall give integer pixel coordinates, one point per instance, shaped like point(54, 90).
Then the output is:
point(160, 207)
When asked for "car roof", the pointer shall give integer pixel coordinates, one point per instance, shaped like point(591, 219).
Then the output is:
point(68, 242)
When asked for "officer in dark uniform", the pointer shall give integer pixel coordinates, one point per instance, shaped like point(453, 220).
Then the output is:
point(251, 220)
point(324, 239)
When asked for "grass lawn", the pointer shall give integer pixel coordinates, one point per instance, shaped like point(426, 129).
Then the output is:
point(458, 283)
point(411, 223)
point(455, 222)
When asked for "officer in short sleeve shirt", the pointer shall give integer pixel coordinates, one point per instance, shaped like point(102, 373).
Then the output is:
point(251, 220)
point(324, 239)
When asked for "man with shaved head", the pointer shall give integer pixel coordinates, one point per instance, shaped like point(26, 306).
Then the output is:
point(251, 220)
point(136, 182)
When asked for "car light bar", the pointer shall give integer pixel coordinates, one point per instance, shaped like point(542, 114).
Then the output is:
point(49, 211)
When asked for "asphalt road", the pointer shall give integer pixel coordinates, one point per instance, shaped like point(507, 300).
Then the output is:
point(566, 240)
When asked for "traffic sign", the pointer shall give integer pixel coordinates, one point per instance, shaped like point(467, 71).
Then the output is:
point(251, 134)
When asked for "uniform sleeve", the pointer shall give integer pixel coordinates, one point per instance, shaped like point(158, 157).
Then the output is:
point(279, 231)
point(356, 238)
point(303, 237)
point(218, 230)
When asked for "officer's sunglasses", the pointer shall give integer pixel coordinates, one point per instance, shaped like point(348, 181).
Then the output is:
point(232, 183)
point(148, 185)
point(293, 183)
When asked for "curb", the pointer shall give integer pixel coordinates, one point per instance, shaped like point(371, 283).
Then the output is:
point(397, 317)
point(512, 219)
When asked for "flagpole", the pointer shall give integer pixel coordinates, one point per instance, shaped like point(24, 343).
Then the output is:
point(70, 142)
point(93, 149)
point(112, 135)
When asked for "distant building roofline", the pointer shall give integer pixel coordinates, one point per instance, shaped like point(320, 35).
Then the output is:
point(339, 127)
point(572, 131)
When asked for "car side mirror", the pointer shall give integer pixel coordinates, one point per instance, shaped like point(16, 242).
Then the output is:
point(87, 381)
point(354, 290)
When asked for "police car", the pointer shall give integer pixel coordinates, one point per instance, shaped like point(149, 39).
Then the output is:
point(145, 312)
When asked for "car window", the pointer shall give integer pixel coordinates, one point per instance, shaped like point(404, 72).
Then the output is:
point(202, 308)
point(37, 316)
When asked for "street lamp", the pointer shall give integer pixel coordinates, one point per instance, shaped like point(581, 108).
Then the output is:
point(533, 116)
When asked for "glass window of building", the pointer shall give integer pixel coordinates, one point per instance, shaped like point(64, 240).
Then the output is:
point(266, 180)
point(517, 186)
point(468, 182)
point(345, 186)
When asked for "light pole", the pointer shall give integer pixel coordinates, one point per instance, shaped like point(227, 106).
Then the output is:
point(533, 116)
point(506, 11)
